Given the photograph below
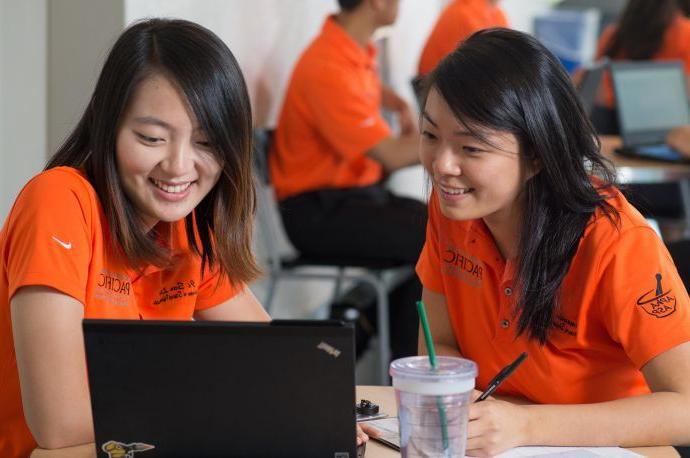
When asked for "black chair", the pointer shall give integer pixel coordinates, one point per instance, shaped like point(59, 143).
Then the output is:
point(279, 267)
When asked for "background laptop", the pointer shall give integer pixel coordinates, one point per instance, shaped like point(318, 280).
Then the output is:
point(284, 389)
point(652, 99)
point(589, 83)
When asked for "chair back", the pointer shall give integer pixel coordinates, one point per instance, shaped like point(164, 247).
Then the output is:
point(271, 233)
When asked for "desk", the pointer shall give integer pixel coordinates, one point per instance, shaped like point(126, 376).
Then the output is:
point(642, 171)
point(382, 395)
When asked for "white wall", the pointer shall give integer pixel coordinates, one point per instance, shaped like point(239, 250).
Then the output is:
point(266, 37)
point(80, 33)
point(23, 32)
point(521, 12)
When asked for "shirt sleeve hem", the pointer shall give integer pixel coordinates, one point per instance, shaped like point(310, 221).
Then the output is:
point(658, 350)
point(218, 299)
point(40, 279)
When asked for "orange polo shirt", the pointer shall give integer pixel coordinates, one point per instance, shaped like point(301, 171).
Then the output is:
point(622, 304)
point(331, 118)
point(675, 46)
point(458, 21)
point(56, 235)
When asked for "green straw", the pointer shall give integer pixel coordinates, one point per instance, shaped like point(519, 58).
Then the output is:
point(432, 361)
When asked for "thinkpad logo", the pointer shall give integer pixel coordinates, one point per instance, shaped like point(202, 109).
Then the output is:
point(334, 352)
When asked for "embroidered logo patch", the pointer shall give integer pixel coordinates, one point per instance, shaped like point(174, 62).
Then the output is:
point(657, 302)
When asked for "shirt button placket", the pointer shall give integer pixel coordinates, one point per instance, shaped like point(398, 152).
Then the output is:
point(505, 324)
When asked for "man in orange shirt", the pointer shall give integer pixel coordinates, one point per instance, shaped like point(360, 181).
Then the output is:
point(332, 148)
point(458, 20)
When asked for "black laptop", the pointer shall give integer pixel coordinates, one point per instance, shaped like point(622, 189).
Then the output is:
point(652, 99)
point(588, 86)
point(284, 389)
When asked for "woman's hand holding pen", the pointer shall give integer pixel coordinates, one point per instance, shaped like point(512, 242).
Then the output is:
point(495, 426)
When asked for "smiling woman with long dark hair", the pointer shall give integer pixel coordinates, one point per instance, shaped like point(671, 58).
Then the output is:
point(152, 190)
point(530, 247)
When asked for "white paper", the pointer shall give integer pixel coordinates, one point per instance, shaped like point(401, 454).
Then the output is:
point(389, 431)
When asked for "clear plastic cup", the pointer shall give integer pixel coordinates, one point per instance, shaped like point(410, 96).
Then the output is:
point(428, 398)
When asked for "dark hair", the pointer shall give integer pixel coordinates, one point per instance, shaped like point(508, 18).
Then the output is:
point(205, 71)
point(641, 29)
point(507, 81)
point(684, 6)
point(349, 5)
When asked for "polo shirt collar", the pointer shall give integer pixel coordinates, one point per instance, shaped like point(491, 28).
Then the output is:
point(507, 267)
point(349, 48)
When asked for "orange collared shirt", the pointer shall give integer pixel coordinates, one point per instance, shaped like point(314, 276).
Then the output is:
point(622, 304)
point(457, 22)
point(56, 235)
point(331, 118)
point(675, 46)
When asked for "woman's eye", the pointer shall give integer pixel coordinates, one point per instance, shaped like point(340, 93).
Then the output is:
point(471, 149)
point(428, 135)
point(204, 144)
point(148, 139)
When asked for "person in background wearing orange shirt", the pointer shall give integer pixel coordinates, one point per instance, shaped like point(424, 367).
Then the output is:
point(459, 20)
point(648, 30)
point(152, 189)
point(530, 247)
point(332, 149)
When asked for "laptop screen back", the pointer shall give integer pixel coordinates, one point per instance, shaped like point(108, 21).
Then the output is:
point(222, 389)
point(651, 99)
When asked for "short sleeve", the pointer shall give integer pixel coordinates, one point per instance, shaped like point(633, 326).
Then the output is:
point(428, 266)
point(645, 306)
point(344, 114)
point(49, 240)
point(216, 289)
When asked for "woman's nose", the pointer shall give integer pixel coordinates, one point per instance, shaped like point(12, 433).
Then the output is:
point(446, 162)
point(177, 161)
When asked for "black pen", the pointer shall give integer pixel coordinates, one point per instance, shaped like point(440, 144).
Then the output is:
point(502, 375)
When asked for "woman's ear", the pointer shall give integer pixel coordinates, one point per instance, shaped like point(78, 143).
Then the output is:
point(533, 166)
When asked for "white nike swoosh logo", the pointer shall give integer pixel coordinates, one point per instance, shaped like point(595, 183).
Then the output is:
point(67, 246)
point(368, 122)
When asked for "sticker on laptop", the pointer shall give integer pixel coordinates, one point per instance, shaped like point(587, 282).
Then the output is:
point(116, 449)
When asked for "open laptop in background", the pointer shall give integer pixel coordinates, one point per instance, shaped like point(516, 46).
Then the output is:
point(285, 389)
point(652, 99)
point(589, 84)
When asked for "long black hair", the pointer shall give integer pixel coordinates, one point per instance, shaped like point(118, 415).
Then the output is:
point(641, 29)
point(507, 81)
point(208, 75)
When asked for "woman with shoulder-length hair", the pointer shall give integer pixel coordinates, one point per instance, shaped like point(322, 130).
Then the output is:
point(530, 247)
point(152, 190)
point(647, 30)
